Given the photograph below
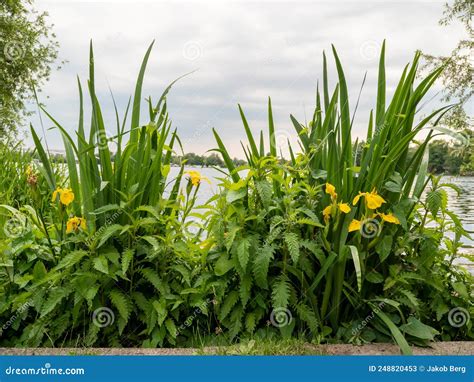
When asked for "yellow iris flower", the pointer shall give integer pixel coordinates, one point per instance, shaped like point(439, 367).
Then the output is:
point(74, 223)
point(343, 207)
point(331, 190)
point(66, 196)
point(390, 218)
point(354, 225)
point(372, 199)
point(196, 177)
point(327, 213)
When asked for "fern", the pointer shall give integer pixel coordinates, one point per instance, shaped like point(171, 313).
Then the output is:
point(155, 280)
point(305, 314)
point(228, 304)
point(121, 302)
point(250, 322)
point(230, 236)
point(101, 264)
point(160, 308)
point(292, 243)
point(70, 259)
point(261, 265)
point(54, 298)
point(265, 191)
point(107, 233)
point(127, 257)
point(171, 328)
point(142, 302)
point(274, 234)
point(281, 293)
point(236, 322)
point(409, 299)
point(436, 200)
point(243, 253)
point(245, 288)
point(61, 324)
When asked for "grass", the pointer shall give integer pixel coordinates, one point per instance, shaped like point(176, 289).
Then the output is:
point(264, 347)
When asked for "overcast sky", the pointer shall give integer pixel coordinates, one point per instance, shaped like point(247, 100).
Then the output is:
point(243, 52)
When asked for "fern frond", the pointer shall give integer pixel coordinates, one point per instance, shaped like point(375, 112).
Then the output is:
point(281, 293)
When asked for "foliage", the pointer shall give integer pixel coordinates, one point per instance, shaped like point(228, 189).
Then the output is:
point(457, 77)
point(324, 276)
point(344, 241)
point(452, 158)
point(28, 49)
point(112, 244)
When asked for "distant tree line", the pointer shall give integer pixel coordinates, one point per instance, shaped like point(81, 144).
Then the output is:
point(191, 159)
point(211, 160)
point(444, 157)
point(454, 159)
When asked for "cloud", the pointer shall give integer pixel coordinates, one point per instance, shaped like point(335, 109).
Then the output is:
point(244, 52)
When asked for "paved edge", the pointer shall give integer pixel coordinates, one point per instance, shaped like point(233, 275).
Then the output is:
point(437, 348)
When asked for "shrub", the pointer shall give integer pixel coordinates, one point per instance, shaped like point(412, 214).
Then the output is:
point(277, 256)
point(114, 239)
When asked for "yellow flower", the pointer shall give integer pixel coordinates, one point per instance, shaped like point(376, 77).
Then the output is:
point(356, 199)
point(66, 196)
point(389, 218)
point(372, 199)
point(354, 225)
point(327, 213)
point(28, 171)
point(331, 190)
point(196, 177)
point(74, 223)
point(344, 207)
point(55, 194)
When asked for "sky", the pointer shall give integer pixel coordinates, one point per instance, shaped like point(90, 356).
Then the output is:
point(241, 52)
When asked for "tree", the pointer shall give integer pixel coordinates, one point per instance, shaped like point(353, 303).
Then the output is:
point(28, 48)
point(457, 76)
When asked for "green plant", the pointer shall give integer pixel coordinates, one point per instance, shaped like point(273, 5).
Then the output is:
point(28, 50)
point(367, 204)
point(113, 239)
